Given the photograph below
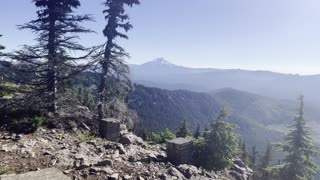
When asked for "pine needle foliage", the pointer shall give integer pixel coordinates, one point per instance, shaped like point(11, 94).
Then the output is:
point(219, 146)
point(111, 59)
point(51, 60)
point(300, 150)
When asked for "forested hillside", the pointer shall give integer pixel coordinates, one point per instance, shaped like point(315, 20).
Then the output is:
point(259, 119)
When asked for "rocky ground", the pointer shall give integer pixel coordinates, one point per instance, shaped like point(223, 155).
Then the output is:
point(81, 157)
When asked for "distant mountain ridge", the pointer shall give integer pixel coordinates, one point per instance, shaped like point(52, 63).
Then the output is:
point(163, 74)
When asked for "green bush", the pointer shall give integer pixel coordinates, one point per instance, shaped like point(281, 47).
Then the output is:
point(167, 135)
point(156, 138)
point(37, 122)
point(3, 171)
point(163, 136)
point(86, 137)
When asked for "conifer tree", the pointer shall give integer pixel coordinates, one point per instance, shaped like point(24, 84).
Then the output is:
point(254, 154)
point(267, 157)
point(51, 60)
point(299, 163)
point(184, 131)
point(243, 151)
point(265, 162)
point(111, 58)
point(197, 134)
point(220, 145)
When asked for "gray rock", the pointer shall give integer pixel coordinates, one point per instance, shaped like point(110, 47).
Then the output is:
point(238, 169)
point(47, 174)
point(188, 170)
point(131, 139)
point(236, 175)
point(105, 162)
point(114, 176)
point(127, 177)
point(121, 149)
point(239, 162)
point(174, 172)
point(107, 170)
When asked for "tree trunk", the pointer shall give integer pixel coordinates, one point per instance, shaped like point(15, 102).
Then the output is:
point(103, 80)
point(52, 72)
point(105, 65)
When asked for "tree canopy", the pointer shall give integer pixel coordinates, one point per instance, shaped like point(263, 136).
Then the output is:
point(51, 62)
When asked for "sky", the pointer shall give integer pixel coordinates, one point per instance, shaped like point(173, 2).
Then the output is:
point(276, 35)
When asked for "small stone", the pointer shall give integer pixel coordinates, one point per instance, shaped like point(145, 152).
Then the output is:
point(106, 162)
point(94, 170)
point(67, 171)
point(127, 177)
point(114, 176)
point(92, 142)
point(18, 137)
point(47, 153)
point(121, 148)
point(107, 170)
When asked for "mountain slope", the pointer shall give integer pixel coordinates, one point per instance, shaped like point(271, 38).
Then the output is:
point(256, 116)
point(159, 109)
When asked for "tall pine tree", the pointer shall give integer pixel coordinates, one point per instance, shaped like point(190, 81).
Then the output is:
point(51, 60)
point(300, 150)
point(111, 58)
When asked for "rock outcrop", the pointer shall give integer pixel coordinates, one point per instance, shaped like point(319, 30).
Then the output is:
point(98, 158)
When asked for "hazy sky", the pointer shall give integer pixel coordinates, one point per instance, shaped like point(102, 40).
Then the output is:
point(277, 35)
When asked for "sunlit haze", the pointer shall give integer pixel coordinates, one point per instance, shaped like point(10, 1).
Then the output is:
point(281, 36)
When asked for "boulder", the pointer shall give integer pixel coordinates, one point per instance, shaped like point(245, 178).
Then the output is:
point(131, 139)
point(239, 162)
point(188, 170)
point(176, 173)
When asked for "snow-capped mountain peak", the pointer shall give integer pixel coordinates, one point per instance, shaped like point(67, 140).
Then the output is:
point(159, 62)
